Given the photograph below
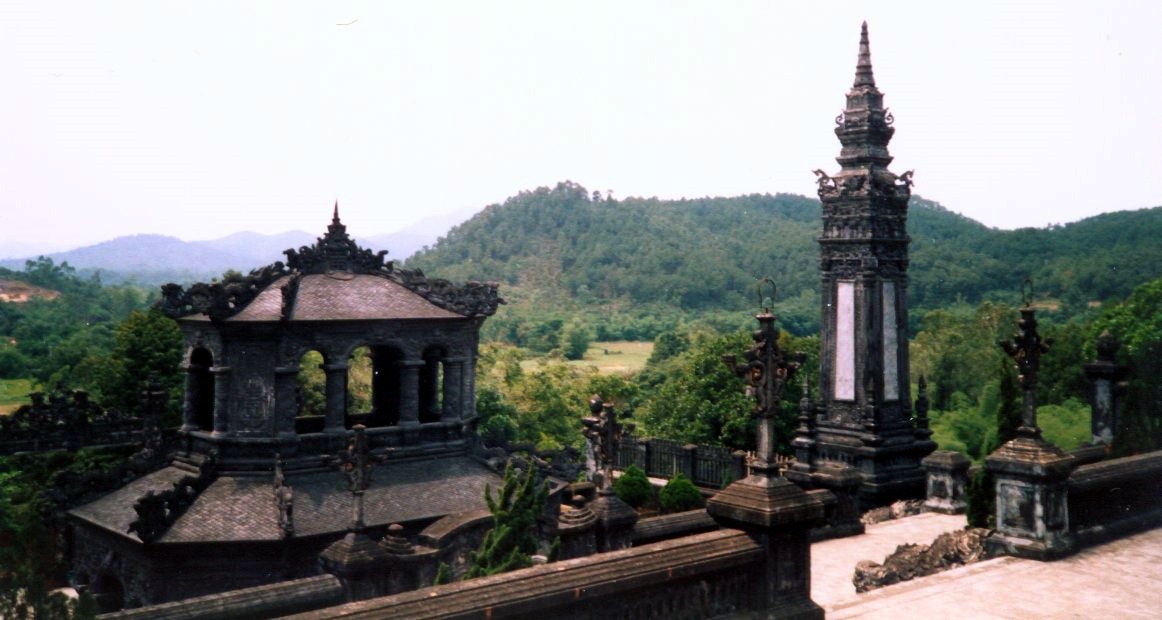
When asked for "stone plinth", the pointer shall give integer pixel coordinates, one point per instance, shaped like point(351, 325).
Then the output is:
point(779, 515)
point(947, 482)
point(843, 517)
point(355, 560)
point(615, 521)
point(406, 566)
point(577, 527)
point(1032, 490)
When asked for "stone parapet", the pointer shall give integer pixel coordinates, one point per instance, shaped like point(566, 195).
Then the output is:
point(707, 575)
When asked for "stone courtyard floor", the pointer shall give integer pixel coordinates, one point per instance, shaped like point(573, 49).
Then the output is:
point(1121, 579)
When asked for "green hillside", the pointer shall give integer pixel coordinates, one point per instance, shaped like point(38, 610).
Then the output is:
point(562, 253)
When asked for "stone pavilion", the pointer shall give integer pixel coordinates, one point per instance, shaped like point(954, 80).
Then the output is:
point(249, 497)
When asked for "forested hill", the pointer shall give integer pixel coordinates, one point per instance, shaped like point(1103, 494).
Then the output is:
point(565, 249)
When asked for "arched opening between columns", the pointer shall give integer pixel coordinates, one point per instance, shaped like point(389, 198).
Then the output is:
point(431, 384)
point(310, 393)
point(200, 391)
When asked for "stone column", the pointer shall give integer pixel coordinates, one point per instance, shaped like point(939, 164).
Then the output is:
point(468, 389)
point(409, 392)
point(336, 412)
point(947, 482)
point(453, 389)
point(221, 398)
point(1031, 474)
point(189, 397)
point(285, 401)
point(774, 511)
point(1106, 378)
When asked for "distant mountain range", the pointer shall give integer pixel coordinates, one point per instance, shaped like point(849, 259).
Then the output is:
point(157, 259)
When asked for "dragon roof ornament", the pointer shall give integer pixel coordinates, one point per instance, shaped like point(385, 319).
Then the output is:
point(334, 252)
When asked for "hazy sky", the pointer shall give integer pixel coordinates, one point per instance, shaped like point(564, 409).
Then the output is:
point(199, 119)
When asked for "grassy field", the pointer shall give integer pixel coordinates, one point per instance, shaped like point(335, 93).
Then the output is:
point(619, 357)
point(13, 394)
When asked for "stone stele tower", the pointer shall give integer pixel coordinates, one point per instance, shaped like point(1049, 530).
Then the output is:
point(864, 417)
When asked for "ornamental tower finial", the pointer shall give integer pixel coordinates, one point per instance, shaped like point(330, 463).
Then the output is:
point(863, 68)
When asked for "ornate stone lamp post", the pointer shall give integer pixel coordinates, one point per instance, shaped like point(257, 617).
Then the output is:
point(772, 509)
point(1031, 474)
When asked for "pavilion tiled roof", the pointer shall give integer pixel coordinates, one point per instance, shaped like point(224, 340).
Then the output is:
point(242, 508)
point(341, 296)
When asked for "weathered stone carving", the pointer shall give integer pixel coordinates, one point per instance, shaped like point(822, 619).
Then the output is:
point(284, 500)
point(218, 300)
point(157, 511)
point(603, 431)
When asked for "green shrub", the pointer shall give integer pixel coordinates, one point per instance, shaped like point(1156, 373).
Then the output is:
point(633, 487)
point(680, 494)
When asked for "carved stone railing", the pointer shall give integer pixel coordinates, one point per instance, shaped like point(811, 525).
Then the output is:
point(698, 576)
point(269, 601)
point(1114, 498)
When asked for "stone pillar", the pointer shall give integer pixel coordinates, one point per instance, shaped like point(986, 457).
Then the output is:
point(1106, 378)
point(221, 398)
point(776, 513)
point(409, 392)
point(286, 407)
point(189, 397)
point(1031, 474)
point(468, 391)
point(642, 455)
point(577, 527)
point(688, 461)
point(1032, 478)
point(453, 389)
point(615, 521)
point(947, 482)
point(336, 413)
point(779, 516)
point(804, 443)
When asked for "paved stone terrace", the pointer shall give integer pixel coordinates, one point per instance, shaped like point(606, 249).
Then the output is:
point(1122, 579)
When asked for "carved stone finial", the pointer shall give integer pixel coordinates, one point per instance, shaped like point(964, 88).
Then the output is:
point(863, 67)
point(766, 371)
point(357, 462)
point(1026, 347)
point(1107, 346)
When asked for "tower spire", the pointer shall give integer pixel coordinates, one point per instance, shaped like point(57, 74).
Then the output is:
point(863, 67)
point(335, 215)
